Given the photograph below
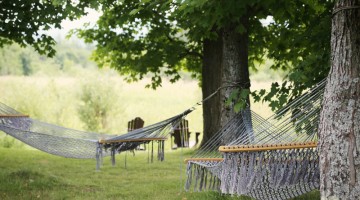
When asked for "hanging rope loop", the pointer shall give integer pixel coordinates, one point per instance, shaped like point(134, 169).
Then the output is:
point(229, 84)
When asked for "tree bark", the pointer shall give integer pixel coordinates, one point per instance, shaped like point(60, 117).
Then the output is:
point(339, 128)
point(235, 67)
point(225, 63)
point(211, 81)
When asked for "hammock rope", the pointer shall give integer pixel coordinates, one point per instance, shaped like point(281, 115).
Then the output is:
point(273, 158)
point(71, 143)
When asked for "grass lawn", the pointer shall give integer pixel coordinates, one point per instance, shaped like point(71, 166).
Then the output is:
point(31, 174)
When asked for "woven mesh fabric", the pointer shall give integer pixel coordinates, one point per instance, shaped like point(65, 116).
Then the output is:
point(71, 143)
point(273, 174)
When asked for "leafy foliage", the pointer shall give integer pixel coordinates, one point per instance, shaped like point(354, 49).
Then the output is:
point(239, 99)
point(97, 102)
point(141, 37)
point(163, 37)
point(299, 41)
point(24, 21)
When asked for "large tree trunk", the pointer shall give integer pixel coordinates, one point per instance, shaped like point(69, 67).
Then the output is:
point(340, 117)
point(211, 81)
point(225, 63)
point(235, 68)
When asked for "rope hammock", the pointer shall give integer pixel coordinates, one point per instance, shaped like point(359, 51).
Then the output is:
point(71, 143)
point(274, 158)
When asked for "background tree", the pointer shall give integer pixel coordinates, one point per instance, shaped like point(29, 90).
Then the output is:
point(216, 41)
point(339, 127)
point(25, 21)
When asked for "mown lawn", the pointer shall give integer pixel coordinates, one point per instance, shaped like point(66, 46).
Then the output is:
point(31, 174)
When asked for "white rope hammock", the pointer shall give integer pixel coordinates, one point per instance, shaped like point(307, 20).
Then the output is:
point(274, 158)
point(71, 143)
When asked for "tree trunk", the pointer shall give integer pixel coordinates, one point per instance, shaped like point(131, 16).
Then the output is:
point(225, 63)
point(211, 81)
point(339, 121)
point(235, 67)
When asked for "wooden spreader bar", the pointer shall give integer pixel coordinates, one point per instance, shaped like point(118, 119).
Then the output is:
point(204, 159)
point(132, 140)
point(13, 116)
point(265, 147)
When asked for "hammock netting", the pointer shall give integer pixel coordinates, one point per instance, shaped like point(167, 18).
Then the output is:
point(71, 143)
point(273, 158)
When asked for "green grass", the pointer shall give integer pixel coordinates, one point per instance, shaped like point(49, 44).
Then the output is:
point(31, 174)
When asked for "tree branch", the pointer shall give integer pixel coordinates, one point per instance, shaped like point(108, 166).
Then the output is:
point(187, 51)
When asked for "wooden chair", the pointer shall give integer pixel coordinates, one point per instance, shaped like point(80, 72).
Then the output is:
point(136, 124)
point(197, 134)
point(181, 135)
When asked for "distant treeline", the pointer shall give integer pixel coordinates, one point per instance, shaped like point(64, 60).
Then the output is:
point(71, 58)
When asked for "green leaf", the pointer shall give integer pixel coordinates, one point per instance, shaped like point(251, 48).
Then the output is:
point(135, 11)
point(256, 97)
point(234, 94)
point(239, 105)
point(228, 102)
point(244, 94)
point(274, 105)
point(262, 92)
point(283, 99)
